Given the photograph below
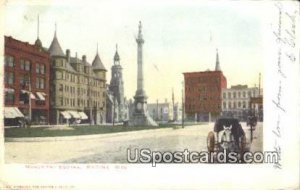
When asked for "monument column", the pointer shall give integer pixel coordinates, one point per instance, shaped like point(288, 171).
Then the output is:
point(140, 116)
point(140, 42)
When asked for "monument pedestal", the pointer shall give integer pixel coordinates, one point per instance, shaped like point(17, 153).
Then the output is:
point(140, 116)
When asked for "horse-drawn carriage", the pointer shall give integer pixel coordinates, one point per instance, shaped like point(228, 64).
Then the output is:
point(227, 135)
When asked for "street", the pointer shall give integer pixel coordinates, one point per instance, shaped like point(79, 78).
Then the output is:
point(113, 149)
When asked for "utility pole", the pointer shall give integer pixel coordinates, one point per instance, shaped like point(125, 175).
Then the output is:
point(29, 101)
point(173, 104)
point(259, 84)
point(182, 109)
point(157, 110)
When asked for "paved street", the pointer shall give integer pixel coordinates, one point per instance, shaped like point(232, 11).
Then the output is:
point(114, 149)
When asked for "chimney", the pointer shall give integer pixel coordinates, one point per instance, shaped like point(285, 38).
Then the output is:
point(68, 55)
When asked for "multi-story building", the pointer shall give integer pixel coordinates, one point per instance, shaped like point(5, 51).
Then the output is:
point(26, 71)
point(203, 94)
point(78, 89)
point(236, 101)
point(161, 112)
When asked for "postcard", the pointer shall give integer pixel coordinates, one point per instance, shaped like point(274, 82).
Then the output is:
point(149, 95)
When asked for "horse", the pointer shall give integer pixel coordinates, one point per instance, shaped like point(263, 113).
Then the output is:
point(226, 138)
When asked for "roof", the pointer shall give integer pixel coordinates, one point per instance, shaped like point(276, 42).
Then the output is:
point(75, 60)
point(117, 57)
point(55, 49)
point(97, 63)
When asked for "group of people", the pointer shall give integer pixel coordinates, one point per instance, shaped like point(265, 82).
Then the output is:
point(23, 122)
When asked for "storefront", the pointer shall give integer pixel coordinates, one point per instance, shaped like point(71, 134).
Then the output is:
point(12, 116)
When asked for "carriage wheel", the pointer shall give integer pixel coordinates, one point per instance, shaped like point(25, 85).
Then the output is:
point(211, 142)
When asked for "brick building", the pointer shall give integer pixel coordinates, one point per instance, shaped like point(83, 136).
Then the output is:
point(203, 94)
point(26, 80)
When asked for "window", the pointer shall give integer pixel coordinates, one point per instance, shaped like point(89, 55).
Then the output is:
point(37, 68)
point(25, 65)
point(61, 87)
point(244, 94)
point(239, 104)
point(244, 104)
point(24, 80)
point(22, 64)
point(229, 95)
point(9, 61)
point(9, 97)
point(40, 83)
point(239, 94)
point(58, 75)
point(42, 69)
point(224, 95)
point(9, 78)
point(37, 83)
point(224, 105)
point(234, 95)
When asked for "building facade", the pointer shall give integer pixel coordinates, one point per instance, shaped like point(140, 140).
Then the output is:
point(26, 71)
point(203, 94)
point(78, 88)
point(237, 101)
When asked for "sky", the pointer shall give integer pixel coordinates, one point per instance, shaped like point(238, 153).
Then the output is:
point(180, 36)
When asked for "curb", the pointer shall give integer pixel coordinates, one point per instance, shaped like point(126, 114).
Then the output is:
point(81, 137)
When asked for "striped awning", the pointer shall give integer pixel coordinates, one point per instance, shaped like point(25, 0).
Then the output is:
point(12, 112)
point(32, 96)
point(65, 114)
point(83, 115)
point(74, 114)
point(40, 95)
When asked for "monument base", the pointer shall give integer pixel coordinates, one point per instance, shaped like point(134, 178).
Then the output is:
point(142, 119)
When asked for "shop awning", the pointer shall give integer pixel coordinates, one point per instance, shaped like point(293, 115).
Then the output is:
point(12, 112)
point(27, 92)
point(74, 114)
point(65, 114)
point(83, 115)
point(40, 95)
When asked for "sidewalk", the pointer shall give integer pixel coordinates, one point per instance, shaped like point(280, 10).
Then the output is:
point(257, 143)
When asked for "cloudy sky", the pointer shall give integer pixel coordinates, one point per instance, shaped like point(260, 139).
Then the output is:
point(180, 36)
